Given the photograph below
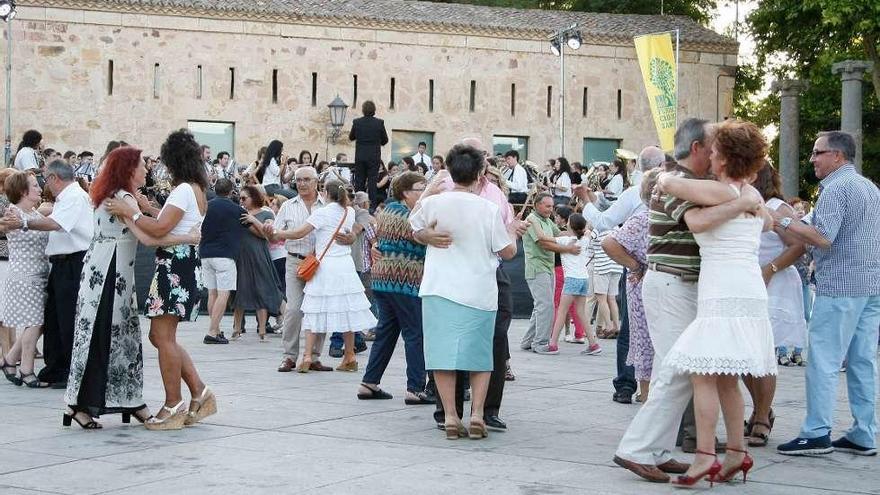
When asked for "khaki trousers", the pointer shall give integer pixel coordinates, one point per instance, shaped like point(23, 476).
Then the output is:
point(293, 315)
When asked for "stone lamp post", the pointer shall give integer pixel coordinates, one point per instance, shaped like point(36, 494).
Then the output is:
point(852, 75)
point(789, 133)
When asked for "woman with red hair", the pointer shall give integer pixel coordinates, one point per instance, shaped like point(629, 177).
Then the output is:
point(106, 370)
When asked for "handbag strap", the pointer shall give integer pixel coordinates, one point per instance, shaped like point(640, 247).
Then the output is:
point(333, 237)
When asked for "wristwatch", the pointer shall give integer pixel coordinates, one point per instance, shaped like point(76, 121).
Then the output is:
point(24, 224)
point(774, 268)
point(135, 217)
point(785, 222)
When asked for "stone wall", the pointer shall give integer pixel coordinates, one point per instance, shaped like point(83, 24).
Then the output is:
point(60, 83)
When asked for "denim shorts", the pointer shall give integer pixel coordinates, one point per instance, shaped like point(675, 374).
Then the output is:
point(575, 286)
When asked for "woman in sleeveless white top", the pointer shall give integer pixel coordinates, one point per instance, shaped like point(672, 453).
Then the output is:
point(731, 335)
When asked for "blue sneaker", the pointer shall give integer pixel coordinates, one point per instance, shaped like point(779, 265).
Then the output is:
point(844, 445)
point(807, 446)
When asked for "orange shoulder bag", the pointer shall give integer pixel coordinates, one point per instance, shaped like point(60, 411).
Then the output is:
point(311, 263)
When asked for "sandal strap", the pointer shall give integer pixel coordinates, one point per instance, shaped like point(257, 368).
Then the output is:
point(731, 449)
point(765, 425)
point(713, 454)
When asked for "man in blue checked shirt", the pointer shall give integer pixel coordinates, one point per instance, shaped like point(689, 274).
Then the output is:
point(845, 235)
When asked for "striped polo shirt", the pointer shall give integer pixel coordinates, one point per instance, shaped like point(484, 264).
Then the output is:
point(670, 241)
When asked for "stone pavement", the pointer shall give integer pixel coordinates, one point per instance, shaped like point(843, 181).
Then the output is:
point(308, 434)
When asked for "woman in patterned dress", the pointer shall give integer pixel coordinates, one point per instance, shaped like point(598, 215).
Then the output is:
point(24, 290)
point(106, 369)
point(176, 286)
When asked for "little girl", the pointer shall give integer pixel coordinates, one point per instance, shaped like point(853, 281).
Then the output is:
point(574, 290)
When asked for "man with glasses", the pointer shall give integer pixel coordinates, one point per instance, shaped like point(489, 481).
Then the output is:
point(845, 237)
point(70, 228)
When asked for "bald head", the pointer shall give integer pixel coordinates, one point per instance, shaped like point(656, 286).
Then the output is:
point(651, 157)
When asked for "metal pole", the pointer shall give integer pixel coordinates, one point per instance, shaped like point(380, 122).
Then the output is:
point(561, 94)
point(7, 150)
point(677, 78)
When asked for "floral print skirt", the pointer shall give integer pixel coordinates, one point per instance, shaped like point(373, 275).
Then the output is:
point(177, 283)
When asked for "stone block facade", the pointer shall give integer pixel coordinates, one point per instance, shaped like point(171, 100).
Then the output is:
point(61, 83)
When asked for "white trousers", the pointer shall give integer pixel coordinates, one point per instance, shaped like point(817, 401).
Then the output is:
point(670, 306)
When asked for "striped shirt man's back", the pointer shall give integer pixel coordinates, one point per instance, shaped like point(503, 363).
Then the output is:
point(670, 241)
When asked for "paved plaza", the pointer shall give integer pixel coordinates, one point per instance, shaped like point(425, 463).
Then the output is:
point(283, 433)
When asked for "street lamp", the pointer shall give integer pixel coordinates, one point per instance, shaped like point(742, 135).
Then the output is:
point(7, 13)
point(572, 37)
point(338, 109)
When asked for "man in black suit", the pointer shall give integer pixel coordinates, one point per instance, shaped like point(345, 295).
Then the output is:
point(369, 134)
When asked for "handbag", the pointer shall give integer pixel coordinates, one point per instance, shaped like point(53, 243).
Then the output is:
point(311, 263)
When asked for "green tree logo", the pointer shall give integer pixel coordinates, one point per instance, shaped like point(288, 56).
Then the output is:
point(663, 78)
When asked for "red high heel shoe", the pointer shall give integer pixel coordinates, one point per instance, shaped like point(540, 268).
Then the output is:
point(685, 481)
point(746, 464)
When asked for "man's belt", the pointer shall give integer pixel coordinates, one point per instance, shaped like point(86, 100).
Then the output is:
point(297, 256)
point(684, 275)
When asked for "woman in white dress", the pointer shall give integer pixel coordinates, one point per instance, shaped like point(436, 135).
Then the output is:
point(732, 335)
point(334, 299)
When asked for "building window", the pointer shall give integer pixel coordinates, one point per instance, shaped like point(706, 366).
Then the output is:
point(406, 143)
point(354, 91)
point(220, 136)
point(274, 85)
point(512, 100)
point(619, 104)
point(549, 101)
point(199, 82)
point(430, 95)
point(473, 96)
point(599, 150)
point(585, 104)
point(232, 83)
point(391, 95)
point(110, 78)
point(503, 144)
point(156, 80)
point(314, 89)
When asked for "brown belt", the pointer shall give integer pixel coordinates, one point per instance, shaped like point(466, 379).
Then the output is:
point(684, 275)
point(297, 256)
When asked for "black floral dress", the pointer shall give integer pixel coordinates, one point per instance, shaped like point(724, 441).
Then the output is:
point(106, 369)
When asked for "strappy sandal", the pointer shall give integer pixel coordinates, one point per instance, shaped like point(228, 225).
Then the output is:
point(11, 376)
point(508, 374)
point(760, 439)
point(142, 418)
point(374, 394)
point(202, 407)
point(34, 383)
point(174, 421)
point(417, 399)
point(70, 415)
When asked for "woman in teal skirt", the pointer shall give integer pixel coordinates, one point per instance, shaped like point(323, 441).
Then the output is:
point(458, 290)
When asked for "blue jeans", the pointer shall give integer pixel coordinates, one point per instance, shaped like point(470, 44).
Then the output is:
point(843, 327)
point(337, 343)
point(399, 314)
point(625, 381)
point(808, 301)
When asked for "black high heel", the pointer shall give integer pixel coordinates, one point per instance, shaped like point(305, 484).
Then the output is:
point(126, 417)
point(13, 376)
point(70, 416)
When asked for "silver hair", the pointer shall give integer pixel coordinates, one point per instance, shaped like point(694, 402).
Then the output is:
point(651, 157)
point(60, 169)
point(689, 131)
point(361, 198)
point(842, 142)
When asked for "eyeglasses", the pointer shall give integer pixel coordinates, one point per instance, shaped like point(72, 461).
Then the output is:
point(304, 180)
point(820, 152)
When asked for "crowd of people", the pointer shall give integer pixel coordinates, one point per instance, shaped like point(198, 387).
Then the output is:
point(694, 263)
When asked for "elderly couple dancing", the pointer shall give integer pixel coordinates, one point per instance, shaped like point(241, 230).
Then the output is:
point(705, 302)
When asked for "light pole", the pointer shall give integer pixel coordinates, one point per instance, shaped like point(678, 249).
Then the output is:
point(7, 13)
point(337, 120)
point(570, 36)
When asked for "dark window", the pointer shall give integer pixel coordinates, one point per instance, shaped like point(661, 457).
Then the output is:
point(473, 96)
point(110, 77)
point(549, 101)
point(314, 89)
point(619, 104)
point(354, 91)
point(274, 85)
point(156, 80)
point(232, 83)
point(430, 95)
point(585, 104)
point(199, 81)
point(391, 96)
point(512, 100)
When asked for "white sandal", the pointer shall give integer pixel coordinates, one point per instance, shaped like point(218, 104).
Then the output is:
point(174, 421)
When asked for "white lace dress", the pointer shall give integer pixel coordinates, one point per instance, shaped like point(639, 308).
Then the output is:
point(732, 334)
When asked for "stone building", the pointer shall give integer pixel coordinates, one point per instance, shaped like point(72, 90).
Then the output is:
point(243, 72)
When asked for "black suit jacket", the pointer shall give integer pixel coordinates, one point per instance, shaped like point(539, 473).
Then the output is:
point(369, 136)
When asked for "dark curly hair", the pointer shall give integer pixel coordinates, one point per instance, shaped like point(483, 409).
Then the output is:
point(743, 147)
point(182, 155)
point(30, 139)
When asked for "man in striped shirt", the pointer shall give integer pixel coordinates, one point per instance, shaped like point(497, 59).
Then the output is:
point(845, 233)
point(669, 293)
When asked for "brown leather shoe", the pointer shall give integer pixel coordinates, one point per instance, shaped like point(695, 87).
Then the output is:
point(645, 471)
point(674, 467)
point(317, 366)
point(287, 365)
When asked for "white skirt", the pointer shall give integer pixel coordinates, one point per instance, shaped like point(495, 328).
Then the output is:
point(334, 299)
point(728, 337)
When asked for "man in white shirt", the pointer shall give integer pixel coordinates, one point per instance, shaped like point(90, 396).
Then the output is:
point(70, 228)
point(422, 159)
point(343, 170)
point(517, 178)
point(86, 168)
point(225, 170)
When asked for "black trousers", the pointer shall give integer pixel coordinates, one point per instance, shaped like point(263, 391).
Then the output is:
point(500, 355)
point(59, 315)
point(366, 174)
point(625, 381)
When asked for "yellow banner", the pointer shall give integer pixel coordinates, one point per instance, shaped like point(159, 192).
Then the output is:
point(660, 73)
